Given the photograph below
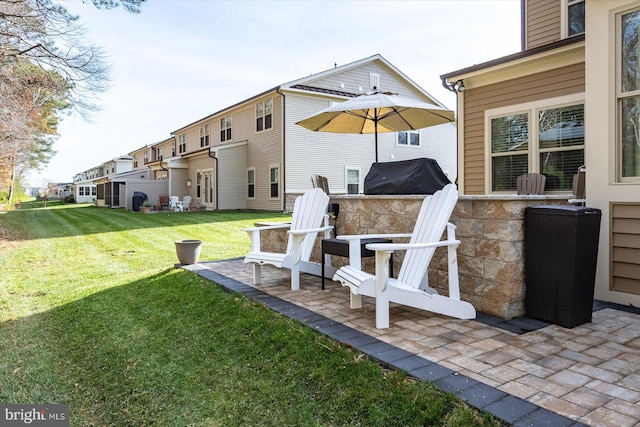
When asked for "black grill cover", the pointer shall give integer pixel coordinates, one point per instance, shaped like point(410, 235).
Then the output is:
point(138, 198)
point(416, 176)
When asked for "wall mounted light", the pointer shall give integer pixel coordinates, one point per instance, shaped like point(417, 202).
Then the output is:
point(458, 86)
point(188, 183)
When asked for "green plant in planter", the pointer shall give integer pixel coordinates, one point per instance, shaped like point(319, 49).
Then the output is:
point(146, 206)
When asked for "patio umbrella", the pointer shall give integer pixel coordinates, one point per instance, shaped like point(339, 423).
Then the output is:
point(377, 112)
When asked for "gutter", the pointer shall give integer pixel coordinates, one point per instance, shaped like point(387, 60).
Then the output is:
point(284, 127)
point(217, 192)
point(513, 57)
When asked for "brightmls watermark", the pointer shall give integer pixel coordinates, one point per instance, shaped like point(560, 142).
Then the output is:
point(36, 415)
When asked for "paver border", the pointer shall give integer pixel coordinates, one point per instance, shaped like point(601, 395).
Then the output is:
point(508, 408)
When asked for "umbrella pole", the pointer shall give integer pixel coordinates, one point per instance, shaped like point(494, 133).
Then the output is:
point(375, 125)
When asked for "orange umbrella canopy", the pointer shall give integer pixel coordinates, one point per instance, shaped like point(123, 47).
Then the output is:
point(377, 112)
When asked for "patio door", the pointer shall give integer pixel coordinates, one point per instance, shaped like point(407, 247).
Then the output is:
point(208, 189)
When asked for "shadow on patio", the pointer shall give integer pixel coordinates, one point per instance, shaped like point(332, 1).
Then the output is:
point(523, 371)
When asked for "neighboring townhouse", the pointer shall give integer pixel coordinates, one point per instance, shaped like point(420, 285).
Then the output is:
point(105, 184)
point(571, 97)
point(252, 155)
point(59, 190)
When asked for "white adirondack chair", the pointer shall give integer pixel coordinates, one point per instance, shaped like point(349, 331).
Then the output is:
point(411, 288)
point(174, 203)
point(309, 218)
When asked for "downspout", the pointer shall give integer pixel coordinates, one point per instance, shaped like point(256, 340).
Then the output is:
point(453, 88)
point(284, 195)
point(216, 159)
point(523, 18)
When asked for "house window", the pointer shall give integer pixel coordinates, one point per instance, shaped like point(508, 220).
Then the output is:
point(374, 81)
point(575, 17)
point(409, 138)
point(628, 96)
point(204, 136)
point(94, 191)
point(353, 180)
point(225, 129)
point(158, 154)
point(135, 161)
point(264, 113)
point(146, 156)
point(274, 181)
point(182, 143)
point(251, 183)
point(173, 149)
point(542, 139)
point(198, 184)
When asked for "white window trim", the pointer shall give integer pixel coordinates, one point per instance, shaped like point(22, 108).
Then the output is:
point(275, 166)
point(618, 178)
point(407, 145)
point(264, 128)
point(374, 81)
point(564, 19)
point(529, 107)
point(253, 168)
point(346, 179)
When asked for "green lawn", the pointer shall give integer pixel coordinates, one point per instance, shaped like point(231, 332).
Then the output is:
point(93, 315)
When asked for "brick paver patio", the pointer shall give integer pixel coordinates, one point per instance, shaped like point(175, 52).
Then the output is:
point(525, 372)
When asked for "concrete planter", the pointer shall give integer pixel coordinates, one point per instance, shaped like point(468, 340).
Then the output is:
point(188, 251)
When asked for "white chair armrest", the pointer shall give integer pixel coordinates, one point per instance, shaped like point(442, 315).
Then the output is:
point(372, 236)
point(311, 230)
point(390, 247)
point(267, 227)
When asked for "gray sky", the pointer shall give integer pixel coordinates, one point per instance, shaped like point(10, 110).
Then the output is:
point(181, 60)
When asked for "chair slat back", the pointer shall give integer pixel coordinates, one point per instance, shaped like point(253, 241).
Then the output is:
point(319, 181)
point(308, 212)
point(430, 225)
point(579, 188)
point(531, 183)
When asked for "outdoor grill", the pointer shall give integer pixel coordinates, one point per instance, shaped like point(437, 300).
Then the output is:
point(416, 176)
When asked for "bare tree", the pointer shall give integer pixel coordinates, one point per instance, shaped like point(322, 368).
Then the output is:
point(47, 66)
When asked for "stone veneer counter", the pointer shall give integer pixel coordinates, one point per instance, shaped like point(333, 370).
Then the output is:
point(490, 229)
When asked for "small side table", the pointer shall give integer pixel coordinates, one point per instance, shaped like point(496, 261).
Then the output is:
point(340, 247)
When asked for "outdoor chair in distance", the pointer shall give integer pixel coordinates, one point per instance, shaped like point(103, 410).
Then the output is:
point(185, 203)
point(319, 181)
point(308, 219)
point(174, 203)
point(579, 188)
point(163, 201)
point(411, 288)
point(531, 183)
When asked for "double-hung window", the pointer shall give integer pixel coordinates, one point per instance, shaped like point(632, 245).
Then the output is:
point(274, 181)
point(225, 129)
point(182, 143)
point(204, 136)
point(628, 96)
point(575, 17)
point(264, 115)
point(251, 183)
point(546, 138)
point(353, 180)
point(409, 138)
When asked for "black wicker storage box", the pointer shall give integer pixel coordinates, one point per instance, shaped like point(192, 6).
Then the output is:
point(561, 249)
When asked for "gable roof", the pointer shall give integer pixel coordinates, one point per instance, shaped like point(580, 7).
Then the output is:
point(305, 84)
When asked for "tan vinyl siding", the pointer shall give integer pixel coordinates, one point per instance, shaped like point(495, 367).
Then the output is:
point(625, 248)
point(543, 22)
point(232, 174)
point(265, 149)
point(549, 84)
